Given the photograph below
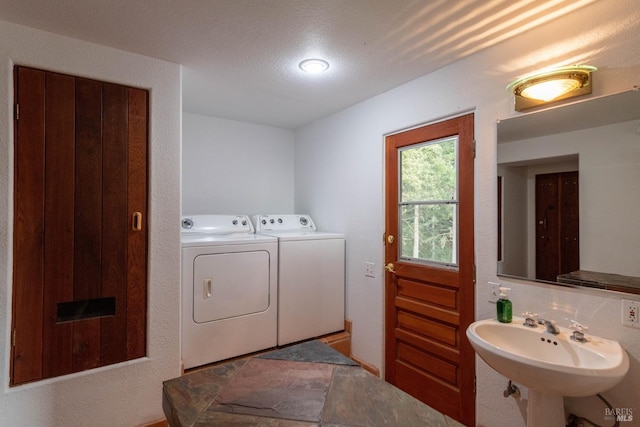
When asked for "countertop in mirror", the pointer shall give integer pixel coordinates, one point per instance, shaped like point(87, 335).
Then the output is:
point(607, 281)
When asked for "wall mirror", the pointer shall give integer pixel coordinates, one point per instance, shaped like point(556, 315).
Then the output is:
point(569, 194)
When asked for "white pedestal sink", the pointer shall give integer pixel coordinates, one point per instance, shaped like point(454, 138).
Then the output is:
point(551, 366)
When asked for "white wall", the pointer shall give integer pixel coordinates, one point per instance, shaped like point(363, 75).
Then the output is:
point(126, 394)
point(231, 167)
point(339, 180)
point(514, 221)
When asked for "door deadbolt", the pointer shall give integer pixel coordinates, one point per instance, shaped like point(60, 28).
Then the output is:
point(390, 239)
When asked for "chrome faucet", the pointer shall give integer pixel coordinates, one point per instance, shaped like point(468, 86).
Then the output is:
point(578, 331)
point(550, 325)
point(530, 319)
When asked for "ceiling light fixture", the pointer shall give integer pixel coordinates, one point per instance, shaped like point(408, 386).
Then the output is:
point(314, 66)
point(552, 85)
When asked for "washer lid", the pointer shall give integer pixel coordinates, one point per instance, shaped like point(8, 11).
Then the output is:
point(200, 239)
point(290, 236)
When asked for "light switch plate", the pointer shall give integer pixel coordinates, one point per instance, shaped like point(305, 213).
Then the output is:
point(369, 269)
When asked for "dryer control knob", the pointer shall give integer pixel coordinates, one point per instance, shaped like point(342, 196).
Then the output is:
point(187, 223)
point(279, 220)
point(264, 221)
point(303, 220)
point(272, 221)
point(234, 222)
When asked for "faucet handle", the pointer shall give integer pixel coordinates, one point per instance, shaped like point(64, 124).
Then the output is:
point(530, 319)
point(578, 331)
point(577, 326)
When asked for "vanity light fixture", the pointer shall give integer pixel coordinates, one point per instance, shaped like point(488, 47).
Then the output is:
point(314, 65)
point(551, 85)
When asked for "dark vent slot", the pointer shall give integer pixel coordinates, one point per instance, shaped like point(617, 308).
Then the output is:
point(87, 309)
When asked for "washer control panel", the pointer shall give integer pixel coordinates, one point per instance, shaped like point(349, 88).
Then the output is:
point(217, 224)
point(285, 222)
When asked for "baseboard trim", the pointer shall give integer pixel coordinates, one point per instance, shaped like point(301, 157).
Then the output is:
point(366, 366)
point(157, 423)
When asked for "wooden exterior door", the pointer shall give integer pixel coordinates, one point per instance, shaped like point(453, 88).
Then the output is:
point(80, 235)
point(430, 265)
point(557, 225)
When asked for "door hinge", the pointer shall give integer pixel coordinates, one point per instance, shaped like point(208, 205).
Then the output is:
point(17, 111)
point(474, 148)
point(474, 273)
point(13, 338)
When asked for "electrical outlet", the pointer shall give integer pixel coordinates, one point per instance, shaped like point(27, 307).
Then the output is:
point(630, 315)
point(369, 269)
point(494, 292)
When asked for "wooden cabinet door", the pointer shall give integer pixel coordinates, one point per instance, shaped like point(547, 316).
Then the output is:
point(80, 235)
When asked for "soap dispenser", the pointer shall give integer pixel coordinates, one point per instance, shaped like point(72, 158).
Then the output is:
point(504, 307)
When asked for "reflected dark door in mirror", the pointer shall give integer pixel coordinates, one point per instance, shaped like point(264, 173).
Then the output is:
point(557, 243)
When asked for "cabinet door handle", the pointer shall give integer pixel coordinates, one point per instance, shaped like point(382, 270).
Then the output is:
point(136, 223)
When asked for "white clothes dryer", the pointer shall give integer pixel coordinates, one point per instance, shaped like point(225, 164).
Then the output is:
point(229, 289)
point(311, 277)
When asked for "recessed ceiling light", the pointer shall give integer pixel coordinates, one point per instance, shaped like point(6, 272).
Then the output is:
point(314, 66)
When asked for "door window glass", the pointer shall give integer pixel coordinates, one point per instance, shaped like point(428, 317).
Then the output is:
point(428, 202)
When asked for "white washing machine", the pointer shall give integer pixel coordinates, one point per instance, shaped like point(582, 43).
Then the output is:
point(311, 270)
point(229, 289)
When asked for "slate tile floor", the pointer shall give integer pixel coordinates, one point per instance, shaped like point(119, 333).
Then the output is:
point(308, 384)
point(276, 389)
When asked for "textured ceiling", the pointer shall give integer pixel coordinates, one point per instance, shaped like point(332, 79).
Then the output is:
point(241, 57)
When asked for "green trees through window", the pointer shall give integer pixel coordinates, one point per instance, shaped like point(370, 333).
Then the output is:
point(429, 202)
